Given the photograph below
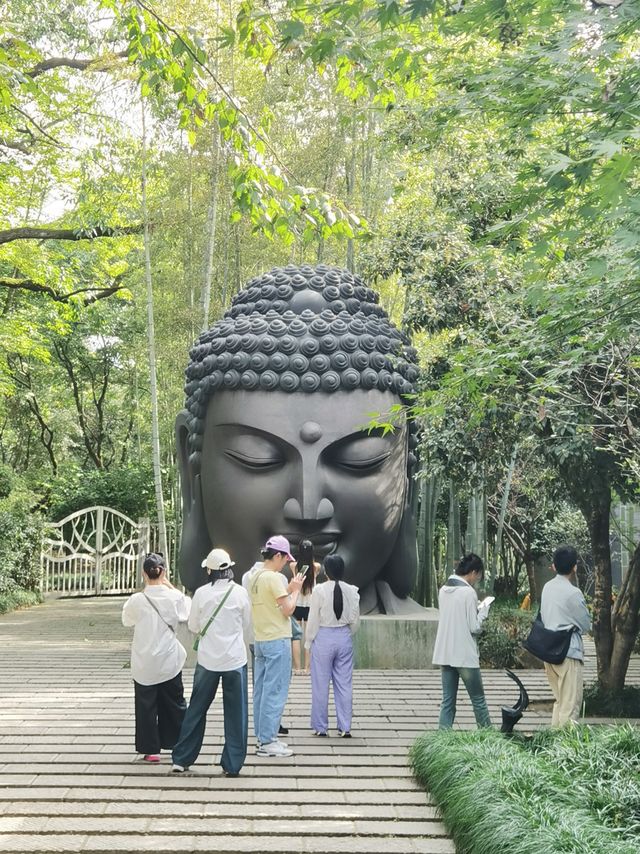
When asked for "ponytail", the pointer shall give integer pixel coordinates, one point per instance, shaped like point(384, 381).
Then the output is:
point(334, 567)
point(337, 599)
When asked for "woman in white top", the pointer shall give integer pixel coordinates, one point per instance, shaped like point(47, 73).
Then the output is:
point(157, 658)
point(456, 647)
point(310, 569)
point(334, 616)
point(220, 616)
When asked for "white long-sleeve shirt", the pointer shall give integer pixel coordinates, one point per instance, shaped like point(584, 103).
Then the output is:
point(222, 647)
point(459, 624)
point(156, 654)
point(321, 613)
point(562, 606)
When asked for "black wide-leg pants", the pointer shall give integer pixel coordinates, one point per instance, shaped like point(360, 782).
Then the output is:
point(159, 713)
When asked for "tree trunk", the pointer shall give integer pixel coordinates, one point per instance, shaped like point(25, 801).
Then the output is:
point(597, 519)
point(503, 510)
point(211, 236)
point(454, 546)
point(626, 622)
point(155, 428)
point(530, 564)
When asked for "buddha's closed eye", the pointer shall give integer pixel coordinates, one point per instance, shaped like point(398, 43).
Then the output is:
point(360, 455)
point(254, 452)
point(261, 463)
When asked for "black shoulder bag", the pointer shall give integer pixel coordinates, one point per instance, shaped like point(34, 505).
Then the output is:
point(546, 644)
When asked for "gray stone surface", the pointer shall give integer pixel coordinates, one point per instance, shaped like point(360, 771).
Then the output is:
point(70, 779)
point(388, 642)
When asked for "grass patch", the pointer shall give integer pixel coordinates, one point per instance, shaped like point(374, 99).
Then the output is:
point(11, 600)
point(569, 791)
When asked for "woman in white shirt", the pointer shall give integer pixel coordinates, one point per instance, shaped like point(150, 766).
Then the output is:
point(456, 647)
point(220, 616)
point(157, 658)
point(334, 616)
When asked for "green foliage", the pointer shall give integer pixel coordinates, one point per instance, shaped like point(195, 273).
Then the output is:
point(128, 489)
point(503, 632)
point(20, 538)
point(14, 598)
point(564, 791)
point(264, 189)
point(600, 703)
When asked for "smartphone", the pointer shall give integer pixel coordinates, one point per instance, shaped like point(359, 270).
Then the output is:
point(304, 569)
point(486, 602)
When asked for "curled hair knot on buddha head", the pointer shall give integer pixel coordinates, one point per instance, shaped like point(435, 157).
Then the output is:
point(301, 329)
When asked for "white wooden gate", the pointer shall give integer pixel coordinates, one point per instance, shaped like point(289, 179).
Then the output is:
point(93, 551)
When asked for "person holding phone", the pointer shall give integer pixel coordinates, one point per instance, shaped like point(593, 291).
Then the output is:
point(309, 568)
point(272, 604)
point(456, 647)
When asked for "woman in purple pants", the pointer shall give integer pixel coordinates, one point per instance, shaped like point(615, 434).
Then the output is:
point(334, 615)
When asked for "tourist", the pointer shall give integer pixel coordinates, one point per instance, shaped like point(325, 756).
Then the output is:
point(562, 606)
point(220, 614)
point(249, 636)
point(334, 616)
point(310, 568)
point(157, 659)
point(272, 604)
point(456, 647)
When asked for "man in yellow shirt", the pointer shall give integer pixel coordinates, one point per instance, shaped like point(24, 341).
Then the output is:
point(272, 604)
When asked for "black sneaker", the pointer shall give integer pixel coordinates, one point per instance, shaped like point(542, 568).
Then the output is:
point(283, 730)
point(230, 773)
point(321, 734)
point(342, 734)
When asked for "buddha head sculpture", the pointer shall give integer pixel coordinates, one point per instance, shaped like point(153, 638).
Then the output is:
point(275, 436)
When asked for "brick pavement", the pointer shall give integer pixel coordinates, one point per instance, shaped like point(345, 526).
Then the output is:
point(70, 780)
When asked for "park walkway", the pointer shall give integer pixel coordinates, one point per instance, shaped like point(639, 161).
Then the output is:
point(69, 779)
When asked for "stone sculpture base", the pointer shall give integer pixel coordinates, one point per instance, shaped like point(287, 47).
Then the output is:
point(389, 642)
point(383, 642)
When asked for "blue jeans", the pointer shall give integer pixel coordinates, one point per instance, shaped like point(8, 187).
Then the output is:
point(271, 686)
point(235, 704)
point(472, 679)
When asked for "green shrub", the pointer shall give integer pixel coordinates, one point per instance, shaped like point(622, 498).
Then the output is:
point(10, 600)
point(569, 791)
point(600, 703)
point(502, 635)
point(20, 541)
point(128, 489)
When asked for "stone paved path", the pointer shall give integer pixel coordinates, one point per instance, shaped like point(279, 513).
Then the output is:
point(70, 780)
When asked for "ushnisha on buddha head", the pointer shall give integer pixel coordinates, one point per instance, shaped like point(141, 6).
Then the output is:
point(274, 437)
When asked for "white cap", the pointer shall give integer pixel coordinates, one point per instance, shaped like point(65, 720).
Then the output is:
point(217, 559)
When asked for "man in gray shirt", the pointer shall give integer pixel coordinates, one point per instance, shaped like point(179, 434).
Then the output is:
point(563, 607)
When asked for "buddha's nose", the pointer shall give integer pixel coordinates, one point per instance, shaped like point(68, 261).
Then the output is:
point(311, 509)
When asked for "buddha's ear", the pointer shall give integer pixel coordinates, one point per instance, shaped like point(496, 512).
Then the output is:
point(195, 543)
point(185, 467)
point(401, 568)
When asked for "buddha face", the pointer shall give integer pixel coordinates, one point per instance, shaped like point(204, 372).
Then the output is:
point(306, 467)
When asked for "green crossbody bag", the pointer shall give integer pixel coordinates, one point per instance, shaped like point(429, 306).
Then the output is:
point(203, 632)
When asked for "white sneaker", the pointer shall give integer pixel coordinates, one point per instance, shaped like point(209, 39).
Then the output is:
point(276, 748)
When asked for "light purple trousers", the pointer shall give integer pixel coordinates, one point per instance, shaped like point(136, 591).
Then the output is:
point(332, 661)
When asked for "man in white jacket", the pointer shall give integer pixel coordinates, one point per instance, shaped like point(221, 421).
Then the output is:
point(456, 648)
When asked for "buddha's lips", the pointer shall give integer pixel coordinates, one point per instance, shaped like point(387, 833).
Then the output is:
point(323, 544)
